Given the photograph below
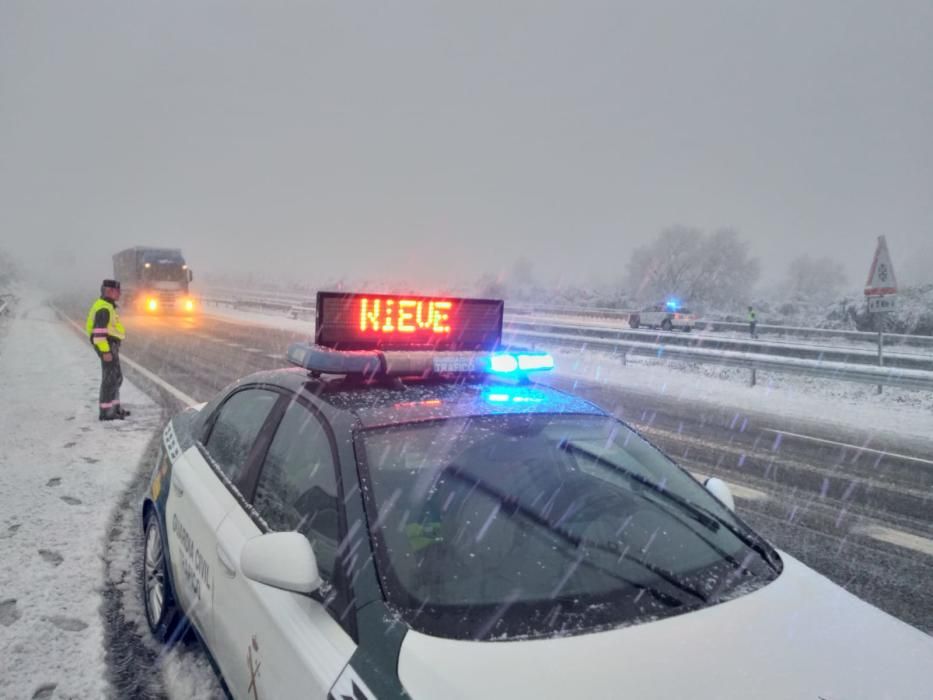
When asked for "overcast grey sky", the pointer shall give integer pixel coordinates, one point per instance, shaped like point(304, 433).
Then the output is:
point(438, 140)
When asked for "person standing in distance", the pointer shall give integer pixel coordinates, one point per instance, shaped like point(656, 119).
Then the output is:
point(752, 322)
point(106, 333)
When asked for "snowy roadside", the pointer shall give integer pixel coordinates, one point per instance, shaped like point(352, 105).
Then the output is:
point(822, 401)
point(62, 475)
point(256, 318)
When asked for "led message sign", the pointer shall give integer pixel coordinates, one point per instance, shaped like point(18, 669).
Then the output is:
point(406, 322)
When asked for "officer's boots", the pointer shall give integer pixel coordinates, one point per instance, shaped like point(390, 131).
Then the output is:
point(111, 413)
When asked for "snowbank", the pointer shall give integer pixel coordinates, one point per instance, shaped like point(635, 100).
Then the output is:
point(822, 401)
point(259, 318)
point(62, 474)
point(913, 313)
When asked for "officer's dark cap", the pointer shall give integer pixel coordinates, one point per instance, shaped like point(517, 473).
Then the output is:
point(113, 284)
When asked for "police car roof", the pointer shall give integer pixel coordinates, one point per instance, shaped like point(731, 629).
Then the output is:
point(384, 403)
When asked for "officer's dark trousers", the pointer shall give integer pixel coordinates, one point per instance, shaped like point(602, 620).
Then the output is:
point(111, 377)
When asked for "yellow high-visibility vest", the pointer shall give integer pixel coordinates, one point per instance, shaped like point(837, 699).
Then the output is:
point(99, 334)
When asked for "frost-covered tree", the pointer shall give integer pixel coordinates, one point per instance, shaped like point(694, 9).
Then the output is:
point(915, 268)
point(8, 269)
point(694, 266)
point(517, 283)
point(491, 286)
point(814, 278)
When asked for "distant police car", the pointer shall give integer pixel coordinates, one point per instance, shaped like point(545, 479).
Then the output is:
point(387, 520)
point(666, 316)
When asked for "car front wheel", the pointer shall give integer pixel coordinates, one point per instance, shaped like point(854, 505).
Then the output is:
point(666, 325)
point(162, 612)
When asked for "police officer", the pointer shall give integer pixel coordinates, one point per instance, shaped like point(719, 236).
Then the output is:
point(752, 322)
point(106, 333)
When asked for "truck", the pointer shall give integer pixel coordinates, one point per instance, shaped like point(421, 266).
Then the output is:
point(154, 280)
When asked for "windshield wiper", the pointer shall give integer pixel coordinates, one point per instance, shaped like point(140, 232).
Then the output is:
point(701, 515)
point(454, 471)
point(751, 541)
point(698, 513)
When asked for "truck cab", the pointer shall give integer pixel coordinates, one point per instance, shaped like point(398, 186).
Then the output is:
point(154, 280)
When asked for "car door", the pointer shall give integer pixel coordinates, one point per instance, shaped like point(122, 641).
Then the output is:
point(273, 643)
point(649, 316)
point(202, 492)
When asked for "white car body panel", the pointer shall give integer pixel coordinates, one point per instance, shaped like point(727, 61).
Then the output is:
point(799, 637)
point(298, 648)
point(267, 642)
point(196, 505)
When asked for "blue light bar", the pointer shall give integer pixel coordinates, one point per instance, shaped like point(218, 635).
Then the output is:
point(517, 362)
point(673, 304)
point(503, 364)
point(532, 362)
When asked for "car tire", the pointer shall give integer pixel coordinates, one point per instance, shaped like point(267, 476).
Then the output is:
point(633, 321)
point(666, 325)
point(162, 612)
point(687, 329)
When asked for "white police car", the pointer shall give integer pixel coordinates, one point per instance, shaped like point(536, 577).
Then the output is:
point(667, 316)
point(386, 520)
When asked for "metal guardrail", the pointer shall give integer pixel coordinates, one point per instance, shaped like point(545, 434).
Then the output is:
point(583, 311)
point(236, 293)
point(845, 355)
point(261, 303)
point(804, 332)
point(621, 317)
point(866, 374)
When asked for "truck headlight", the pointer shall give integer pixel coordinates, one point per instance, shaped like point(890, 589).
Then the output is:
point(152, 304)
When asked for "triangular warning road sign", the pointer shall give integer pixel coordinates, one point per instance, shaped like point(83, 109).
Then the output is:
point(881, 279)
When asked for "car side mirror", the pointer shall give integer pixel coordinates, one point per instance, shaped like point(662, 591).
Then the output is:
point(720, 489)
point(282, 560)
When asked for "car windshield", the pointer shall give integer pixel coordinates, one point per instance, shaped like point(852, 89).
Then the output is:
point(517, 526)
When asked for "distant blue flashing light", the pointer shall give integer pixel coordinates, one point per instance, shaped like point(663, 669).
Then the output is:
point(673, 304)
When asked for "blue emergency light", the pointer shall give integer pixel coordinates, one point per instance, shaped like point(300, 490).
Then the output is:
point(520, 362)
point(673, 304)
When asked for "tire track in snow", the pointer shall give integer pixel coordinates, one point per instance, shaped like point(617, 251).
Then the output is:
point(140, 667)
